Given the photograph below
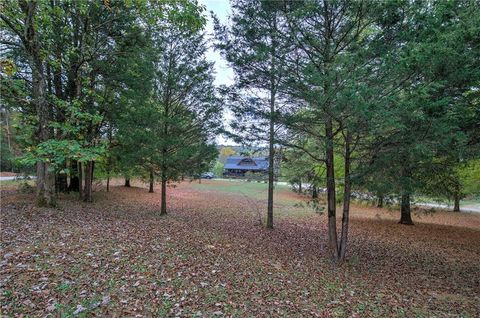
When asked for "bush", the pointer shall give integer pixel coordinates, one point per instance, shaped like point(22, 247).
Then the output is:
point(218, 169)
point(258, 177)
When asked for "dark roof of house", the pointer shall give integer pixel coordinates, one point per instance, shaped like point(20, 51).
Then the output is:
point(246, 163)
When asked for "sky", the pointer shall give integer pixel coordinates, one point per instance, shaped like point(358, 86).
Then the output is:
point(223, 73)
point(221, 8)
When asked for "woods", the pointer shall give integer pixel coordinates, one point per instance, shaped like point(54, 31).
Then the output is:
point(350, 102)
point(86, 64)
point(387, 91)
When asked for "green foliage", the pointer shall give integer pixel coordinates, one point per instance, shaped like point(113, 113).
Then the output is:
point(218, 169)
point(469, 175)
point(7, 158)
point(400, 79)
point(225, 152)
point(428, 121)
point(79, 49)
point(169, 129)
point(57, 152)
point(252, 44)
point(255, 176)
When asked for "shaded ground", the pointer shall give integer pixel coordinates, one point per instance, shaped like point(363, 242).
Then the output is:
point(209, 257)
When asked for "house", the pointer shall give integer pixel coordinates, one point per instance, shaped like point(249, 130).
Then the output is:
point(237, 166)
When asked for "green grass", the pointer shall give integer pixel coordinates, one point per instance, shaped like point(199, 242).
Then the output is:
point(255, 190)
point(285, 205)
point(68, 310)
point(16, 182)
point(64, 287)
point(471, 201)
point(21, 185)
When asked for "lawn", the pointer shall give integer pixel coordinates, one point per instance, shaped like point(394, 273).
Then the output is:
point(210, 257)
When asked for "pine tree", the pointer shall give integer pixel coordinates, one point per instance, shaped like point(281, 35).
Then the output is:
point(254, 46)
point(170, 131)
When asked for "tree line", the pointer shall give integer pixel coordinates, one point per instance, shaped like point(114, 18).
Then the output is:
point(371, 96)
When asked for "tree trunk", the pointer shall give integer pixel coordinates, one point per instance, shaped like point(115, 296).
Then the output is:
point(9, 136)
point(406, 217)
point(314, 192)
point(331, 201)
point(300, 190)
point(127, 182)
point(80, 180)
point(270, 179)
point(57, 74)
point(151, 182)
point(108, 181)
point(45, 186)
point(163, 210)
point(456, 203)
point(41, 184)
point(88, 182)
point(50, 187)
point(346, 200)
point(270, 188)
point(74, 180)
point(456, 197)
point(271, 153)
point(380, 201)
point(49, 78)
point(61, 182)
point(271, 131)
point(45, 177)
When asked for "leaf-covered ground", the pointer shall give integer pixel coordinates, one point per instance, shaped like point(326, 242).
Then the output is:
point(210, 258)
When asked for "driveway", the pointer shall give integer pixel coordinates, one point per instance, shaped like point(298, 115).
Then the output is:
point(16, 178)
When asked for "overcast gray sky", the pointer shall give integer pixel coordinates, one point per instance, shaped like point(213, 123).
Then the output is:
point(224, 74)
point(221, 8)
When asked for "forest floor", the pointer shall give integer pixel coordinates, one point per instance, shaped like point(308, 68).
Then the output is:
point(209, 257)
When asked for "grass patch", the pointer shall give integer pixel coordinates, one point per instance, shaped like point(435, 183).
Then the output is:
point(286, 204)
